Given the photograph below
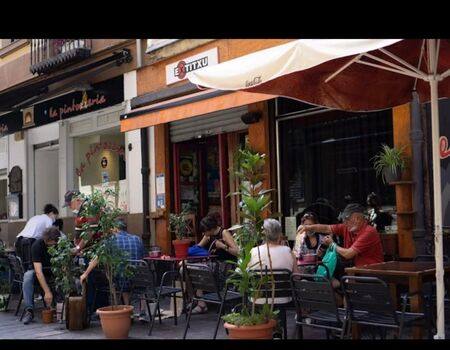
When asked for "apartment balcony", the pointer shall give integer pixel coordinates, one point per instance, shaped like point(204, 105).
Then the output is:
point(48, 55)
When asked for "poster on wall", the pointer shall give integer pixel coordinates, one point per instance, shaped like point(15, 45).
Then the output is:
point(160, 191)
point(123, 195)
point(444, 150)
point(105, 177)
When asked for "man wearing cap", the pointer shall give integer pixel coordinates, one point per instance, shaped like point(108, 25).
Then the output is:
point(362, 242)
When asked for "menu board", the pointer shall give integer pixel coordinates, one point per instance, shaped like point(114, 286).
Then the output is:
point(290, 223)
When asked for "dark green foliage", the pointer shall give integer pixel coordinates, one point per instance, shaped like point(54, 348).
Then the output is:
point(255, 201)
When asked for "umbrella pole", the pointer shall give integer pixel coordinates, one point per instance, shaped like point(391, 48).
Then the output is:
point(438, 242)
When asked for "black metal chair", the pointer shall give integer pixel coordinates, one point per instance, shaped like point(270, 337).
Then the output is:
point(429, 289)
point(369, 303)
point(283, 289)
point(144, 287)
point(201, 277)
point(25, 254)
point(16, 266)
point(316, 296)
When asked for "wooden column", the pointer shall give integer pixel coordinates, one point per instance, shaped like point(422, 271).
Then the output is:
point(258, 136)
point(162, 166)
point(224, 180)
point(233, 145)
point(403, 189)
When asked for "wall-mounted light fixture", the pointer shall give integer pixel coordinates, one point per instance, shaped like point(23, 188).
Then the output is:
point(251, 117)
point(130, 146)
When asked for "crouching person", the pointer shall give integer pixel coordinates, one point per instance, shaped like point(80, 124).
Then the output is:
point(41, 270)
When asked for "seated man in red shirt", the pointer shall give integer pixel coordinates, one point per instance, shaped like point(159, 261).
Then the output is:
point(362, 242)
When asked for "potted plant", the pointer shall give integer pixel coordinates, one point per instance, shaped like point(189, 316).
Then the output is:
point(179, 225)
point(390, 162)
point(66, 272)
point(115, 319)
point(252, 321)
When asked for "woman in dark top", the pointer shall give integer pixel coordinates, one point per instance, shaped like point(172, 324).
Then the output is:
point(219, 242)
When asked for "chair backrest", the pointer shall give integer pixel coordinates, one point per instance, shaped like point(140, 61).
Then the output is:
point(26, 254)
point(282, 282)
point(368, 294)
point(143, 278)
point(314, 293)
point(428, 258)
point(15, 264)
point(201, 277)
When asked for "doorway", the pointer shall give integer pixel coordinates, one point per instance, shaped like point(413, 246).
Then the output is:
point(46, 177)
point(201, 180)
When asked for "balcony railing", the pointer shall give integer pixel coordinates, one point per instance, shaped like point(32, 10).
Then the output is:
point(48, 55)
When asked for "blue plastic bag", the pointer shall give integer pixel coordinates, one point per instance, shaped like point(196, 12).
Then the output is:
point(196, 250)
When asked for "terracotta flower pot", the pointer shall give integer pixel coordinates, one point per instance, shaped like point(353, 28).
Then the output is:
point(181, 247)
point(260, 331)
point(116, 323)
point(47, 316)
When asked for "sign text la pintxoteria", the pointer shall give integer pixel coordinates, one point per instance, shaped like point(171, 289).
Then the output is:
point(177, 71)
point(95, 148)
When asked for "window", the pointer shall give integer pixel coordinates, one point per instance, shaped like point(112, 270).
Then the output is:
point(328, 156)
point(154, 44)
point(6, 42)
point(100, 165)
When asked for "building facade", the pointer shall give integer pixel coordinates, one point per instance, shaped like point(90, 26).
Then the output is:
point(314, 155)
point(61, 101)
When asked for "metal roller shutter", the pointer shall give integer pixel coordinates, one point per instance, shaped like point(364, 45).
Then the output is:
point(208, 124)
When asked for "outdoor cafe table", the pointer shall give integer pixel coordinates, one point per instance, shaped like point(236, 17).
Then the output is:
point(175, 262)
point(401, 273)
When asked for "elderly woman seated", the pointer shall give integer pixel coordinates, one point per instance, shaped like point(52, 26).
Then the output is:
point(281, 256)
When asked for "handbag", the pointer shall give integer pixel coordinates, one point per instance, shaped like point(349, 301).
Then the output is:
point(330, 261)
point(197, 250)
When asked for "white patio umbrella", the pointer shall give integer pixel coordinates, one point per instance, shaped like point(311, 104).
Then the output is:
point(352, 75)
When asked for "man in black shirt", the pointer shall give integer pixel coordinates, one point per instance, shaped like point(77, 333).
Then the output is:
point(41, 269)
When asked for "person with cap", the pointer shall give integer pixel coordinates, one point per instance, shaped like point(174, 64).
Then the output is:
point(362, 242)
point(70, 200)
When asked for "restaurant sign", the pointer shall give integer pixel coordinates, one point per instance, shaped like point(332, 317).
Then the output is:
point(177, 71)
point(444, 156)
point(103, 94)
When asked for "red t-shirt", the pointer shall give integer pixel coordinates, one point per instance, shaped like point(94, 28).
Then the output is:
point(366, 242)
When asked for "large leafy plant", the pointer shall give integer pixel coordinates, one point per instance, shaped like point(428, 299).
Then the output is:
point(255, 203)
point(391, 158)
point(63, 267)
point(99, 237)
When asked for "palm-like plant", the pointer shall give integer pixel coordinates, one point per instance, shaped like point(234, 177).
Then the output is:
point(255, 201)
point(391, 158)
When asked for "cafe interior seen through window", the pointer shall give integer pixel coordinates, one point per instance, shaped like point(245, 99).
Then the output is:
point(100, 165)
point(327, 157)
